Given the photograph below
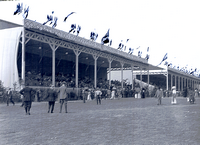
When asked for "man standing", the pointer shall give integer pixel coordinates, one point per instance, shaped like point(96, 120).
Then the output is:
point(51, 96)
point(158, 95)
point(63, 97)
point(143, 93)
point(98, 94)
point(28, 94)
point(9, 97)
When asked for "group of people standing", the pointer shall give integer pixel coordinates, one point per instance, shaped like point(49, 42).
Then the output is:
point(159, 95)
point(190, 95)
point(52, 94)
point(87, 95)
point(62, 93)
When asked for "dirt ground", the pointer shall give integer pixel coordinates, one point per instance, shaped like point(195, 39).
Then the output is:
point(124, 121)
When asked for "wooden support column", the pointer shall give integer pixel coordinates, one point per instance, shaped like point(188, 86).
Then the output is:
point(175, 81)
point(171, 80)
point(77, 53)
point(182, 84)
point(23, 58)
point(110, 62)
point(53, 67)
point(178, 83)
point(140, 74)
point(167, 81)
point(122, 64)
point(132, 77)
point(53, 48)
point(95, 70)
point(148, 77)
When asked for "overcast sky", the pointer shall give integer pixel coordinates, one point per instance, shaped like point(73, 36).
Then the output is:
point(165, 26)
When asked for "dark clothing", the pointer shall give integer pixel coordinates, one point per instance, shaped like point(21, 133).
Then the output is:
point(51, 96)
point(143, 93)
point(85, 94)
point(62, 101)
point(9, 98)
point(27, 93)
point(51, 105)
point(27, 104)
point(98, 96)
point(98, 99)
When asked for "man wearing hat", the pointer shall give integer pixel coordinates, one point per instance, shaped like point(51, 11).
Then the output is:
point(98, 94)
point(173, 95)
point(28, 94)
point(63, 95)
point(51, 96)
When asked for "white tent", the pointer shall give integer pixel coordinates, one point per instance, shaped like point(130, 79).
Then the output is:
point(9, 41)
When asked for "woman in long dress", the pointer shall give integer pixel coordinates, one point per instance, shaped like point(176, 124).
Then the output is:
point(89, 95)
point(113, 93)
point(174, 95)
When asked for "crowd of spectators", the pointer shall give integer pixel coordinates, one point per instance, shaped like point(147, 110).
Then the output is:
point(38, 79)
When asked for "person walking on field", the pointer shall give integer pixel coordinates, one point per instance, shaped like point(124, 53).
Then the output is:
point(85, 94)
point(98, 94)
point(174, 95)
point(158, 95)
point(51, 96)
point(62, 96)
point(191, 96)
point(9, 97)
point(28, 94)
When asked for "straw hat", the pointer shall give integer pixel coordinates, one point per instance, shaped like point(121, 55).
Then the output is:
point(174, 87)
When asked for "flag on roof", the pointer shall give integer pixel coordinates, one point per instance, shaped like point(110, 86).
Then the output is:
point(164, 58)
point(105, 39)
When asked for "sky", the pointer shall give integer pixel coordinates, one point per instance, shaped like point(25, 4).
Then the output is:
point(165, 26)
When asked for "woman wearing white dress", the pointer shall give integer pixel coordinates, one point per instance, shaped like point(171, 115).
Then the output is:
point(173, 95)
point(113, 93)
point(89, 95)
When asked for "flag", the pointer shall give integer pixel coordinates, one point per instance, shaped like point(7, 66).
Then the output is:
point(105, 39)
point(107, 34)
point(147, 49)
point(164, 58)
point(138, 47)
point(68, 16)
point(147, 57)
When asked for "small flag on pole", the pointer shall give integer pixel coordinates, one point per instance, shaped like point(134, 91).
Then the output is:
point(164, 58)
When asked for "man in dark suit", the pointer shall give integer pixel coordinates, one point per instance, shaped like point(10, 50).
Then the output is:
point(28, 94)
point(143, 93)
point(9, 97)
point(51, 96)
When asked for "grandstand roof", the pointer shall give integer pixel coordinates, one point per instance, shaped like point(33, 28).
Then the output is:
point(6, 24)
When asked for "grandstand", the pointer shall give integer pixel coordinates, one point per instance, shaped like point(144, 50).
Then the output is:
point(42, 56)
point(38, 55)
